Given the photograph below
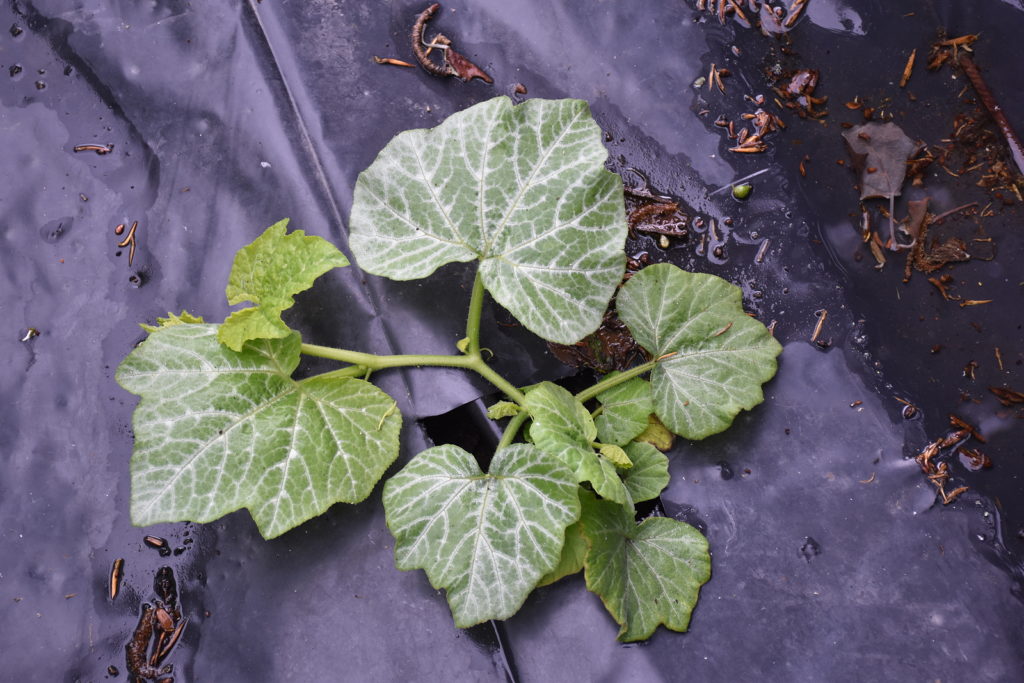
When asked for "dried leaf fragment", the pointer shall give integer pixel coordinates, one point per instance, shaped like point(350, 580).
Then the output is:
point(1008, 397)
point(886, 148)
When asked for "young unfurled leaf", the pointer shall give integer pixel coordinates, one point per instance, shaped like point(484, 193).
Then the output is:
point(269, 272)
point(573, 553)
point(562, 426)
point(880, 152)
point(615, 455)
point(485, 538)
point(722, 355)
point(503, 409)
point(648, 476)
point(218, 430)
point(184, 318)
point(646, 574)
point(521, 188)
point(624, 412)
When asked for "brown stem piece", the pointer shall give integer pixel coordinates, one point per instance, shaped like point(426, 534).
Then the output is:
point(417, 41)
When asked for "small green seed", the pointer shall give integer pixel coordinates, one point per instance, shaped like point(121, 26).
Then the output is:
point(742, 191)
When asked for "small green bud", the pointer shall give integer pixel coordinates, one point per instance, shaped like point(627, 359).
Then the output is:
point(741, 192)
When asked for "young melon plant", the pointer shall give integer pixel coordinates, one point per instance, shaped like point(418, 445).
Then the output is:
point(521, 190)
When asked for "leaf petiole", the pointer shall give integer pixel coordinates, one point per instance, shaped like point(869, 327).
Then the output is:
point(511, 430)
point(615, 380)
point(476, 305)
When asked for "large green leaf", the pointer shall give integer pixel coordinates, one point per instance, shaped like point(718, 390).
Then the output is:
point(723, 356)
point(624, 411)
point(217, 430)
point(521, 188)
point(485, 538)
point(648, 476)
point(645, 574)
point(269, 272)
point(562, 426)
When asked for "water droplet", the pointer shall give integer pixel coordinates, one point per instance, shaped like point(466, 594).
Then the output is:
point(810, 548)
point(725, 470)
point(55, 230)
point(16, 30)
point(40, 85)
point(15, 70)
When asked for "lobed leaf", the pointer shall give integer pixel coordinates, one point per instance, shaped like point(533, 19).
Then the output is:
point(646, 574)
point(522, 189)
point(269, 272)
point(485, 538)
point(625, 408)
point(562, 426)
point(218, 430)
point(648, 476)
point(722, 355)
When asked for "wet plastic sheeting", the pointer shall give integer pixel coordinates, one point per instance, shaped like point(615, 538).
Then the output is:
point(228, 116)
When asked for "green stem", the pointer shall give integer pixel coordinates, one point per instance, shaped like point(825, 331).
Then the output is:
point(476, 306)
point(369, 361)
point(615, 380)
point(372, 361)
point(485, 371)
point(350, 371)
point(511, 429)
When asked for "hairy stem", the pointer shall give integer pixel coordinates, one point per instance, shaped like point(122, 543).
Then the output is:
point(370, 361)
point(511, 430)
point(485, 371)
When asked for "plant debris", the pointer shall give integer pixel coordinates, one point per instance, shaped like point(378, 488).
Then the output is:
point(946, 49)
point(392, 61)
point(974, 459)
point(99, 149)
point(453, 63)
point(1008, 397)
point(928, 257)
point(773, 19)
point(798, 94)
point(908, 69)
point(762, 122)
point(989, 100)
point(610, 348)
point(116, 574)
point(128, 241)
